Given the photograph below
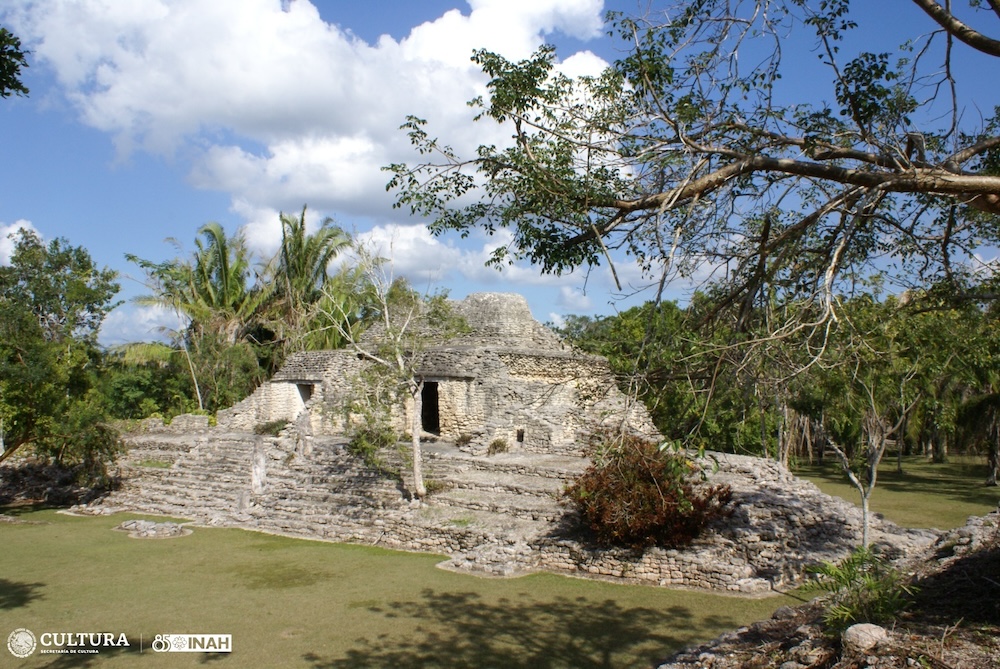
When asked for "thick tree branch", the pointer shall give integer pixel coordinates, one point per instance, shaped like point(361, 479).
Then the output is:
point(960, 30)
point(935, 181)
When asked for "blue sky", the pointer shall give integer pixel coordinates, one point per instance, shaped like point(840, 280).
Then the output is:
point(149, 118)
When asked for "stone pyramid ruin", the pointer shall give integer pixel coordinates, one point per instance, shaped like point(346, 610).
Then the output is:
point(506, 380)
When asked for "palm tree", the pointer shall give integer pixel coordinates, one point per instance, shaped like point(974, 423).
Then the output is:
point(210, 291)
point(300, 273)
point(220, 288)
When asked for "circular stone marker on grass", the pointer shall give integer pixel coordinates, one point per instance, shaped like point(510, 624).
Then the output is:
point(147, 529)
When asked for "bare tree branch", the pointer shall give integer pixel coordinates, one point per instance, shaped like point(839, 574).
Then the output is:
point(960, 30)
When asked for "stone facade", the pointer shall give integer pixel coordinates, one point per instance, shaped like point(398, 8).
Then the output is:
point(508, 380)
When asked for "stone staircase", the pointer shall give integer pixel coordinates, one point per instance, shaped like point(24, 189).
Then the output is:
point(495, 514)
point(519, 485)
point(319, 490)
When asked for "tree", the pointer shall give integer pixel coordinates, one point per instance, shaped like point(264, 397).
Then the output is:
point(212, 292)
point(300, 275)
point(12, 59)
point(401, 325)
point(212, 289)
point(52, 302)
point(691, 150)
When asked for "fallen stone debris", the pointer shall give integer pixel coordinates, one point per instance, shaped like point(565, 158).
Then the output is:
point(148, 529)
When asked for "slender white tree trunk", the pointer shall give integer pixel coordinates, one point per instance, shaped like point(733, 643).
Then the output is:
point(416, 424)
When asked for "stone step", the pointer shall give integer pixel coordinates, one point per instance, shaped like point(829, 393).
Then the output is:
point(547, 466)
point(480, 479)
point(339, 503)
point(520, 506)
point(438, 512)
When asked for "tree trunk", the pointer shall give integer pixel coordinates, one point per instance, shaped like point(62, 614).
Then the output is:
point(807, 437)
point(416, 425)
point(940, 448)
point(993, 456)
point(864, 518)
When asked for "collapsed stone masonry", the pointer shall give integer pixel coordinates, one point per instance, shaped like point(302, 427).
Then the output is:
point(507, 380)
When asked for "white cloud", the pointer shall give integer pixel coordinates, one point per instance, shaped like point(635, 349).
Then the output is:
point(574, 299)
point(280, 107)
point(6, 238)
point(130, 323)
point(413, 252)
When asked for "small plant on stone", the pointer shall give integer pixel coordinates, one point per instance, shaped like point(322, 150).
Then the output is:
point(463, 440)
point(367, 440)
point(862, 588)
point(498, 445)
point(271, 428)
point(638, 495)
point(435, 486)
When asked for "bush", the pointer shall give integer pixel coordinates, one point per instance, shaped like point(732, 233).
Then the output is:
point(498, 445)
point(367, 441)
point(862, 589)
point(271, 428)
point(639, 495)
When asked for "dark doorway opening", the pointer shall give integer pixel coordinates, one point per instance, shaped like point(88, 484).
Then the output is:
point(430, 419)
point(305, 391)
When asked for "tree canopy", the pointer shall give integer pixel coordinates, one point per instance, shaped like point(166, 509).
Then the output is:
point(12, 59)
point(243, 313)
point(52, 302)
point(708, 150)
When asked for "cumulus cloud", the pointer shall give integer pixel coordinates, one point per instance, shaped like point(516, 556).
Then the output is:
point(7, 234)
point(574, 299)
point(282, 107)
point(278, 106)
point(130, 323)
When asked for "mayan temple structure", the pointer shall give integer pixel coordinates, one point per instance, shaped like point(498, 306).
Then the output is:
point(506, 379)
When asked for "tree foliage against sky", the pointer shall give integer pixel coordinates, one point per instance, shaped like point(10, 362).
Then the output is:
point(242, 314)
point(12, 59)
point(52, 302)
point(712, 148)
point(924, 377)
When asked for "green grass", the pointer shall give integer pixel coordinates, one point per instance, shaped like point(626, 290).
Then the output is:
point(942, 496)
point(296, 603)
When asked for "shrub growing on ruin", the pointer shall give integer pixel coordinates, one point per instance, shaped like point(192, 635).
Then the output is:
point(862, 588)
point(498, 445)
point(637, 494)
point(271, 428)
point(368, 440)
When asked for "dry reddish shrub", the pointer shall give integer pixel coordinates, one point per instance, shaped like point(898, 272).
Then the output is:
point(638, 495)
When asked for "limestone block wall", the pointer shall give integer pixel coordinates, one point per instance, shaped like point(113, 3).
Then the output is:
point(271, 401)
point(320, 381)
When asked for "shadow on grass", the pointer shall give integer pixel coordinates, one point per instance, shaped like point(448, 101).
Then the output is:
point(579, 633)
point(956, 482)
point(14, 595)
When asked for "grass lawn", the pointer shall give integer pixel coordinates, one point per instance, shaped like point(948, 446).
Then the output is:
point(297, 603)
point(924, 495)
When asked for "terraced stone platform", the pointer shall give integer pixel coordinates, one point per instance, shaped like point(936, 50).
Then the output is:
point(490, 514)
